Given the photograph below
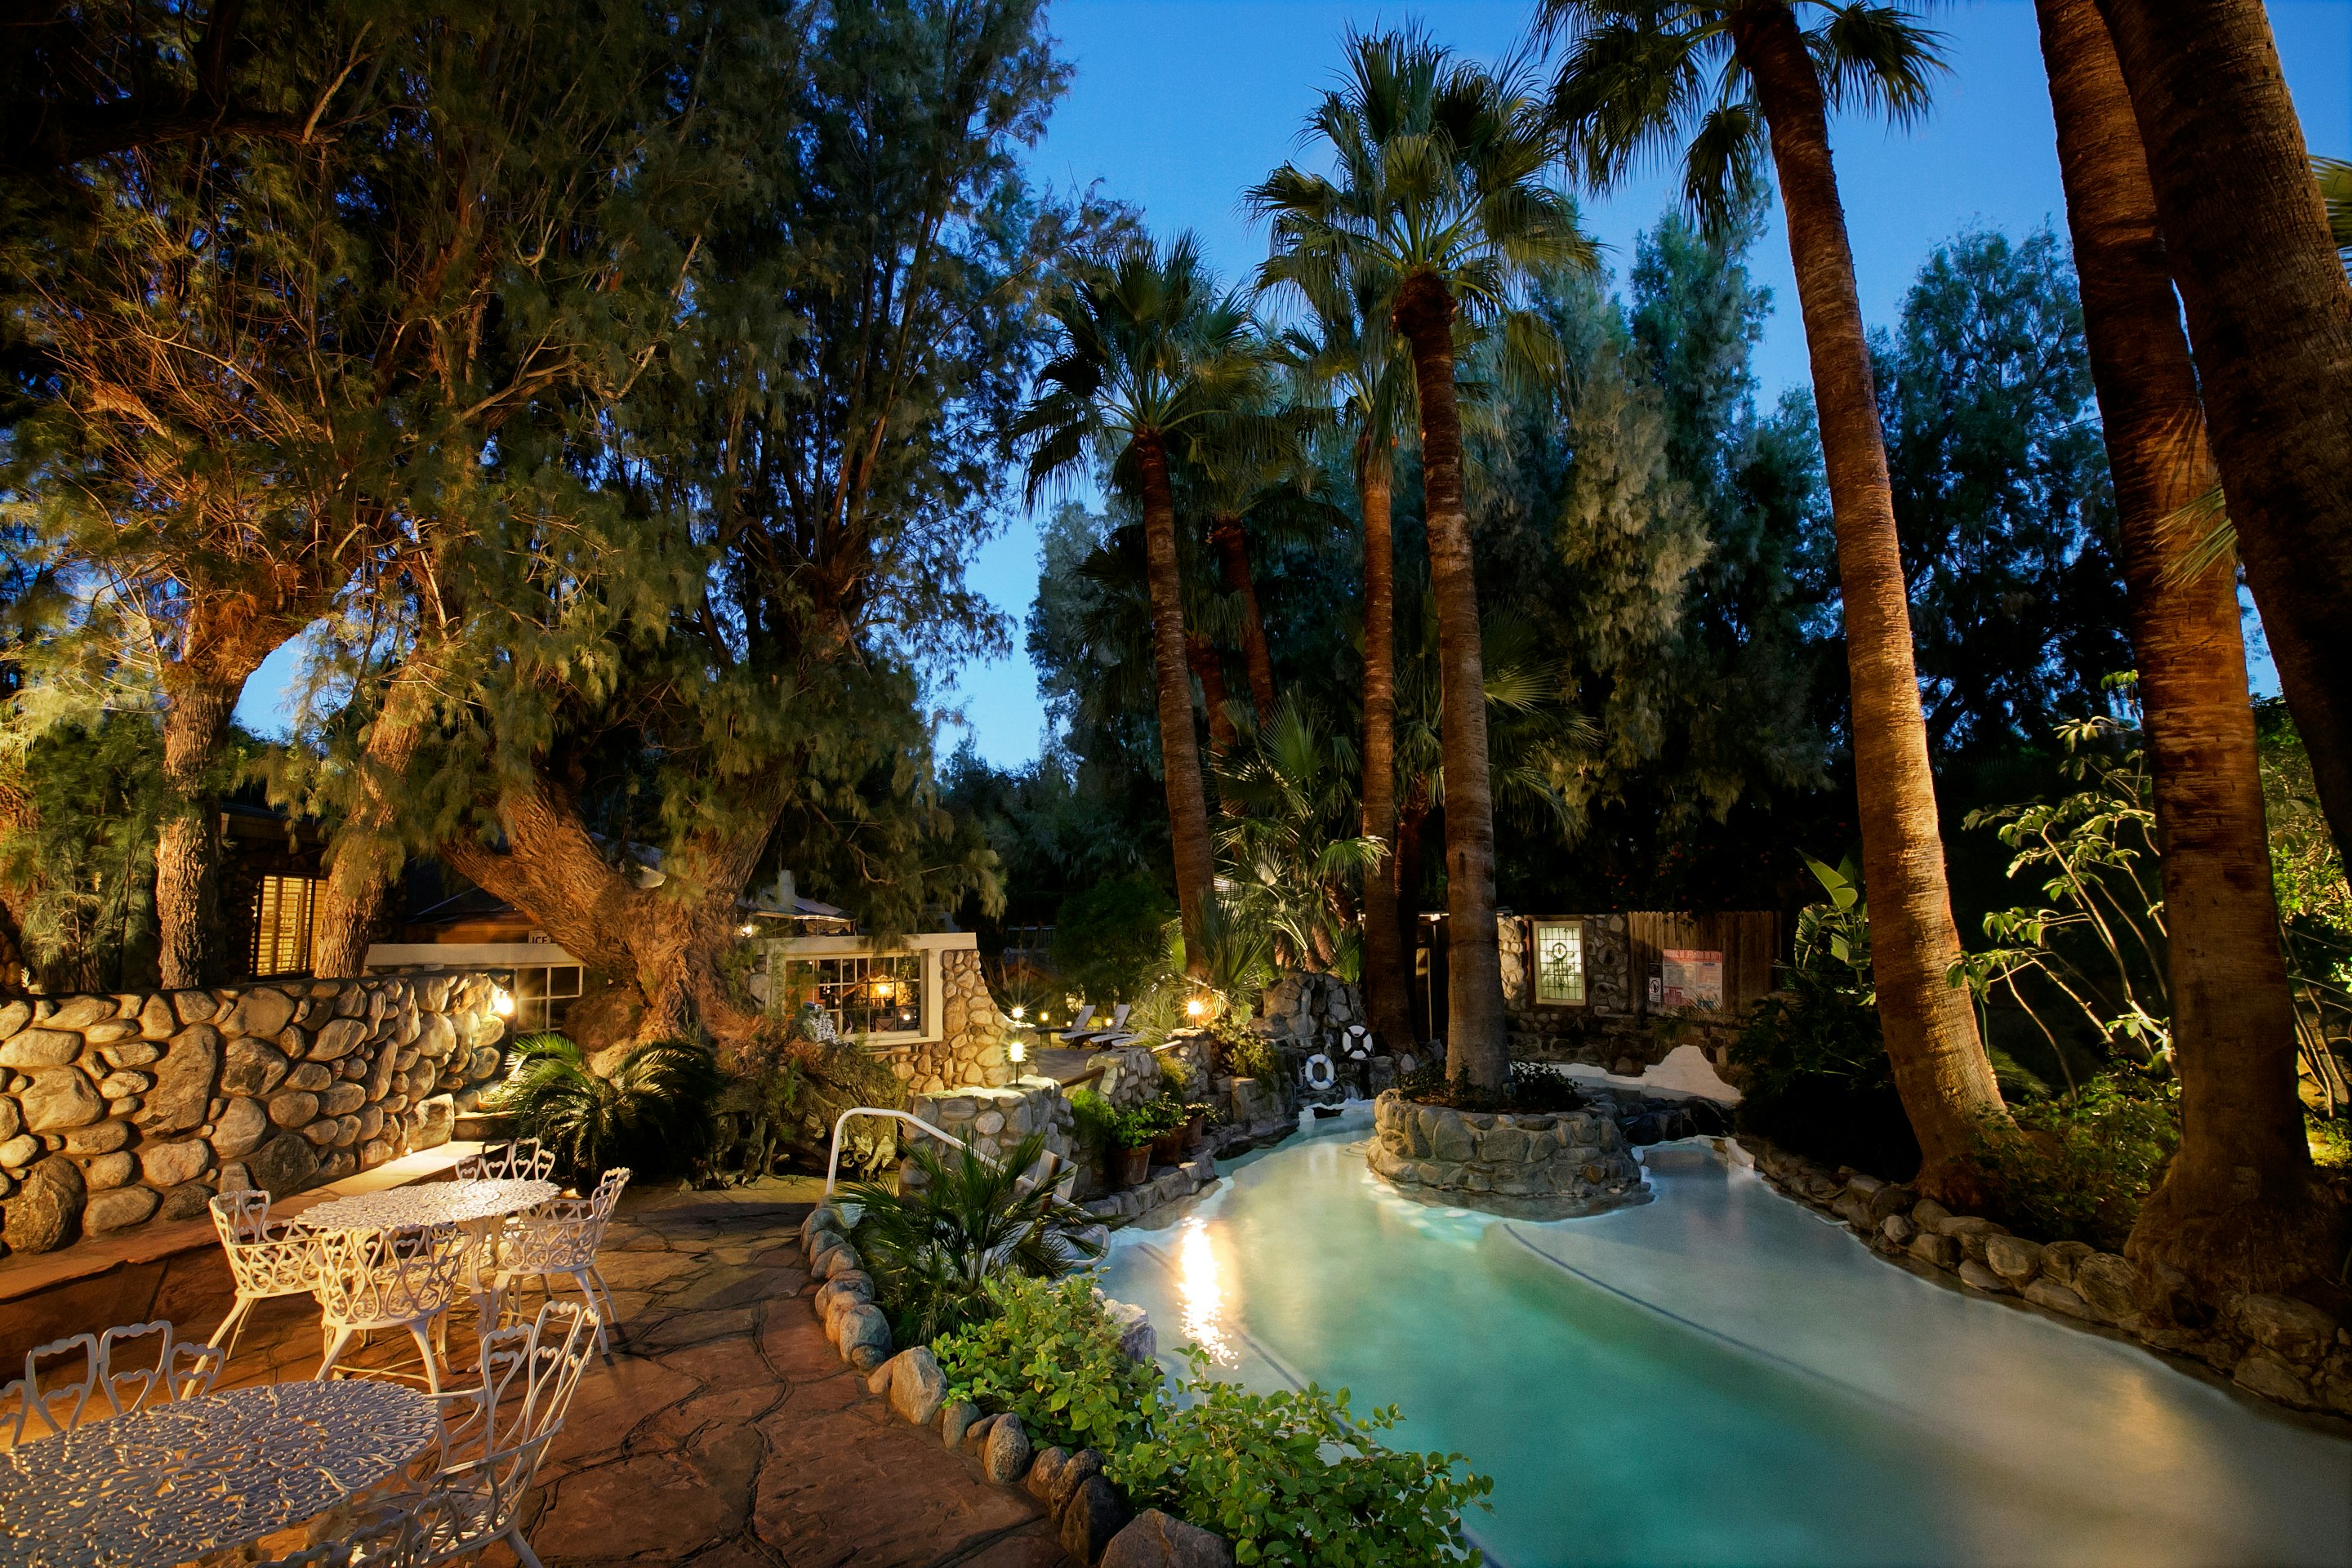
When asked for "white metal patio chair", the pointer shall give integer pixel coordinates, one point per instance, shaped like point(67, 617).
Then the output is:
point(520, 1161)
point(493, 1437)
point(266, 1257)
point(561, 1237)
point(404, 1278)
point(113, 1368)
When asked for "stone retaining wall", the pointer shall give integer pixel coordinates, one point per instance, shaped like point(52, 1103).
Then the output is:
point(993, 1121)
point(120, 1109)
point(1131, 1076)
point(2280, 1347)
point(1550, 1165)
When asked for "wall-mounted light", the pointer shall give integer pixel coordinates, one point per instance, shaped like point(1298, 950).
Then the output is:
point(1017, 1051)
point(502, 1001)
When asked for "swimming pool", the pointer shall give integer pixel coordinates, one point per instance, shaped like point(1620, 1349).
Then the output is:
point(1722, 1376)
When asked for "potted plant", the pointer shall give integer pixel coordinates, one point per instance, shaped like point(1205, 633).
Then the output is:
point(1166, 1118)
point(1131, 1136)
point(1198, 1117)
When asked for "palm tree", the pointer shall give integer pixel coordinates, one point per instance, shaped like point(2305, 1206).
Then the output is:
point(1350, 352)
point(2233, 1025)
point(2269, 311)
point(1294, 869)
point(1239, 461)
point(1439, 194)
point(1152, 350)
point(1734, 79)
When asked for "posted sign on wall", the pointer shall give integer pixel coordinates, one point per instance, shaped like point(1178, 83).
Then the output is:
point(1690, 977)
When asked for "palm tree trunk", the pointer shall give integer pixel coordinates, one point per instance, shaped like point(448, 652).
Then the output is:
point(2235, 1206)
point(352, 898)
point(1387, 988)
point(1940, 1063)
point(1232, 562)
point(1180, 755)
point(1477, 1049)
point(2270, 313)
point(1210, 671)
point(198, 706)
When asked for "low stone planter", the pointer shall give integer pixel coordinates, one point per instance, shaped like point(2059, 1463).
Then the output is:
point(1162, 1185)
point(1529, 1166)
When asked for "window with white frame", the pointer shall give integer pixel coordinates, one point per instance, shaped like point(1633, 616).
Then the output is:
point(866, 992)
point(543, 996)
point(1559, 963)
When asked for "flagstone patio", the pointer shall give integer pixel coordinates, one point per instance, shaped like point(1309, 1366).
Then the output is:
point(722, 1430)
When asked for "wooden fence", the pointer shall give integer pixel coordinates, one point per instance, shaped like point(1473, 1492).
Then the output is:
point(1750, 940)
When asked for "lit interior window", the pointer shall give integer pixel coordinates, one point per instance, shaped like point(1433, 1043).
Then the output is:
point(1560, 963)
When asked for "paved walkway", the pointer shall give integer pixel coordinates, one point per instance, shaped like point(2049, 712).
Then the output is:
point(723, 1430)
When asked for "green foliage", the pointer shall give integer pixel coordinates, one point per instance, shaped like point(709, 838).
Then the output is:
point(1106, 938)
point(78, 850)
point(1050, 1356)
point(1533, 1087)
point(1297, 1478)
point(652, 1114)
point(1290, 861)
point(968, 1222)
point(2086, 1161)
point(1249, 1056)
point(1139, 1124)
point(1096, 1124)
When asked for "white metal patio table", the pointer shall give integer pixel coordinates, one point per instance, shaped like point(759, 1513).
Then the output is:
point(477, 1207)
point(170, 1484)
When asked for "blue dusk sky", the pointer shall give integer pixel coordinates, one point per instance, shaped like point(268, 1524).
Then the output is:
point(1177, 105)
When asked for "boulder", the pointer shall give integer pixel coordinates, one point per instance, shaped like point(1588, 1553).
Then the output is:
point(241, 1128)
point(183, 1082)
point(1978, 1277)
point(878, 1380)
point(1138, 1340)
point(1928, 1214)
point(60, 1098)
point(2266, 1374)
point(11, 1120)
point(2109, 1283)
point(98, 1138)
point(956, 1417)
point(118, 1169)
point(1044, 1471)
point(263, 1011)
point(117, 1210)
point(1070, 1478)
point(2047, 1292)
point(40, 1048)
point(918, 1387)
point(343, 1100)
point(1944, 1251)
point(80, 1012)
point(2013, 1257)
point(865, 1336)
point(309, 1077)
point(1898, 1229)
point(2297, 1331)
point(1155, 1540)
point(156, 1020)
point(338, 1039)
point(285, 1164)
point(1091, 1519)
point(195, 1006)
point(294, 1107)
point(1005, 1456)
point(2060, 1258)
point(46, 1213)
point(1451, 1140)
point(252, 1067)
point(14, 1015)
point(185, 1202)
point(169, 1164)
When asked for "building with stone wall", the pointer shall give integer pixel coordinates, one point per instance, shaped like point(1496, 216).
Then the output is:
point(116, 1111)
point(920, 1003)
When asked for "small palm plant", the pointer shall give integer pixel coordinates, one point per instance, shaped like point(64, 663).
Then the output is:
point(655, 1112)
point(933, 1250)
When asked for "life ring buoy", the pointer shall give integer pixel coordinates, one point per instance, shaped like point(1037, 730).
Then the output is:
point(1330, 1074)
point(1359, 1043)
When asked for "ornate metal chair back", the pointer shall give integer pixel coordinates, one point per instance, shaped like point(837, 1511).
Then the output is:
point(522, 1160)
point(265, 1258)
point(153, 1374)
point(494, 1435)
point(58, 1407)
point(408, 1273)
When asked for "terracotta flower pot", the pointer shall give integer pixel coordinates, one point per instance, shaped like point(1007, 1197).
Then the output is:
point(1196, 1131)
point(1132, 1166)
point(1167, 1147)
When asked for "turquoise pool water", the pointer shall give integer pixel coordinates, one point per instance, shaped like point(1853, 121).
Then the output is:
point(1721, 1376)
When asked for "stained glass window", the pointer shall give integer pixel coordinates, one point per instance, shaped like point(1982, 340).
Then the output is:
point(1560, 963)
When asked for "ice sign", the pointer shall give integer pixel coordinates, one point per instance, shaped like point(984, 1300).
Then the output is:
point(1691, 978)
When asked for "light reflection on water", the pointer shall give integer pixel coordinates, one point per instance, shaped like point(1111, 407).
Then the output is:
point(1201, 1289)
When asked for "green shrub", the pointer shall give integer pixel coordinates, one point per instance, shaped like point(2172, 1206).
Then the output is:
point(1050, 1355)
point(1096, 1124)
point(1297, 1478)
point(934, 1252)
point(1249, 1056)
point(1106, 938)
point(1533, 1087)
point(2087, 1160)
point(654, 1114)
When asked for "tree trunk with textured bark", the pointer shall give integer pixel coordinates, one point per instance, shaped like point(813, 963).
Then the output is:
point(1180, 754)
point(352, 897)
point(1388, 985)
point(1210, 671)
point(2235, 1209)
point(1940, 1063)
point(1232, 563)
point(1477, 1046)
point(2270, 316)
point(198, 706)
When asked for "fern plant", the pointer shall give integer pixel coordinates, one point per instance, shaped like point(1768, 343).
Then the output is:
point(933, 1250)
point(654, 1113)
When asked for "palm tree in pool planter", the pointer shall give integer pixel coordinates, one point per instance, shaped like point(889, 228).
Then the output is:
point(1438, 191)
point(1733, 82)
point(1152, 350)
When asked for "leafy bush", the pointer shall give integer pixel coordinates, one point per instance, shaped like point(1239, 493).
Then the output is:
point(1106, 938)
point(2087, 1160)
point(1096, 1123)
point(1297, 1478)
point(1139, 1124)
point(1050, 1355)
point(1533, 1087)
point(1250, 1056)
point(935, 1251)
point(654, 1114)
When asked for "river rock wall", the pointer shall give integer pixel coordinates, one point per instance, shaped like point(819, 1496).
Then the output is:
point(119, 1111)
point(1537, 1166)
point(990, 1120)
point(972, 1033)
